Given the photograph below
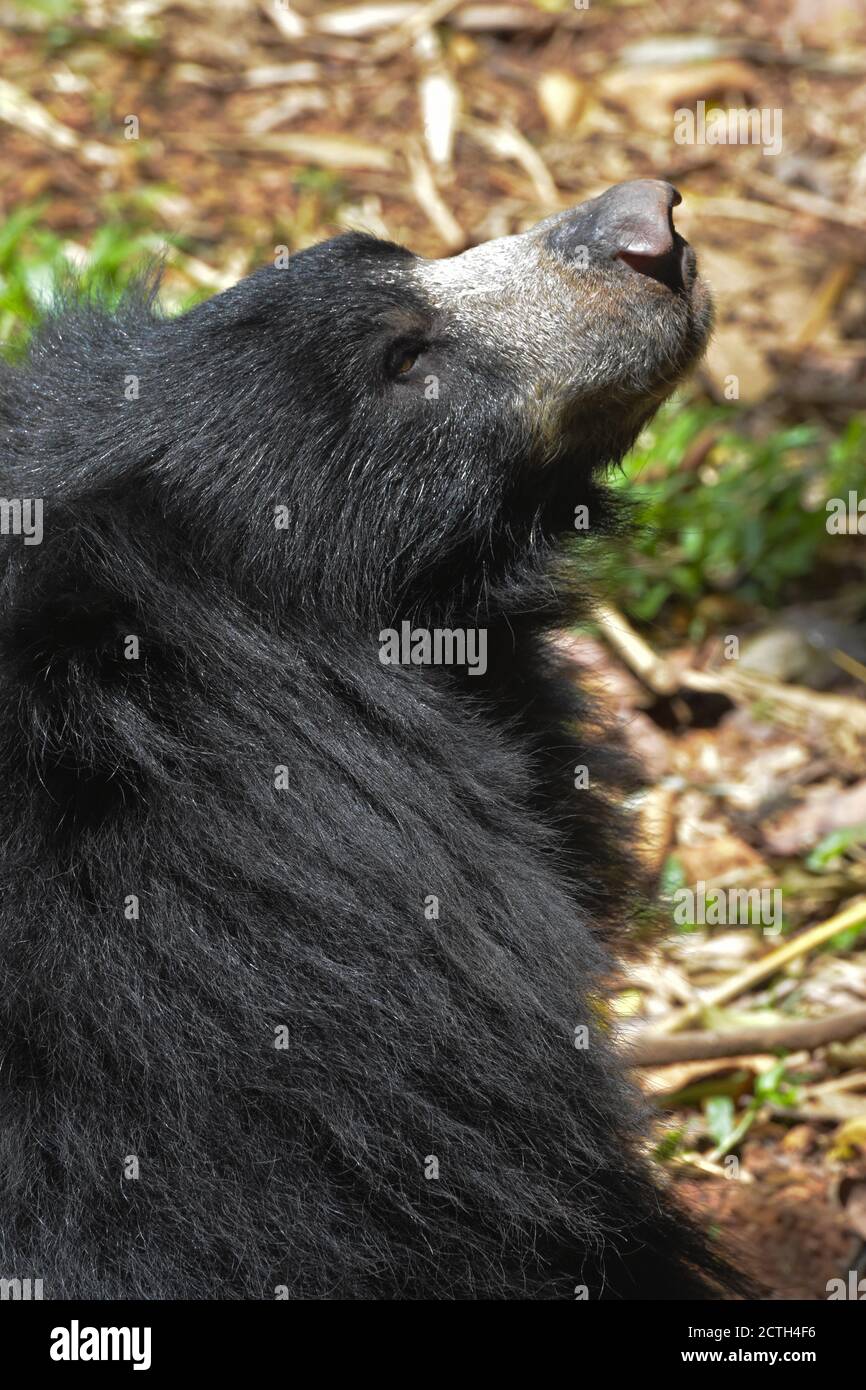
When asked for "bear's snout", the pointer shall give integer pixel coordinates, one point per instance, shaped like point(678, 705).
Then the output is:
point(630, 222)
point(594, 313)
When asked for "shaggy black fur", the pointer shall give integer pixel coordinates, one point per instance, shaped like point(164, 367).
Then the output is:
point(149, 1043)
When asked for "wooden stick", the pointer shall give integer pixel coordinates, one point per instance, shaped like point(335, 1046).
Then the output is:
point(637, 654)
point(851, 916)
point(650, 1049)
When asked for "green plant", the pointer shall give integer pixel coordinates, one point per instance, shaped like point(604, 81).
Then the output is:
point(35, 262)
point(746, 517)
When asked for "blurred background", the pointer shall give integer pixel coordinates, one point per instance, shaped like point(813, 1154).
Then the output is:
point(730, 646)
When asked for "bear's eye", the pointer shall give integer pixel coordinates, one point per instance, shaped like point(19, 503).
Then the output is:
point(403, 357)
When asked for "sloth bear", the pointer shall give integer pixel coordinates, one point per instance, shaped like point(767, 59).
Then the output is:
point(300, 946)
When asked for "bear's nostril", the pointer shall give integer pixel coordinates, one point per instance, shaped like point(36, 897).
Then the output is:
point(665, 266)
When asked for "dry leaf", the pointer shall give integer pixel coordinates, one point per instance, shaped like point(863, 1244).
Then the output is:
point(561, 98)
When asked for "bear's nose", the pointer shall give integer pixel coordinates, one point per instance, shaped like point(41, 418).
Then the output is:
point(631, 222)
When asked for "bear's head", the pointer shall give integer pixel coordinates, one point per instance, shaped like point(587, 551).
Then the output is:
point(453, 411)
point(375, 434)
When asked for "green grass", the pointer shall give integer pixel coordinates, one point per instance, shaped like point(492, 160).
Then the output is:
point(35, 261)
point(748, 521)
